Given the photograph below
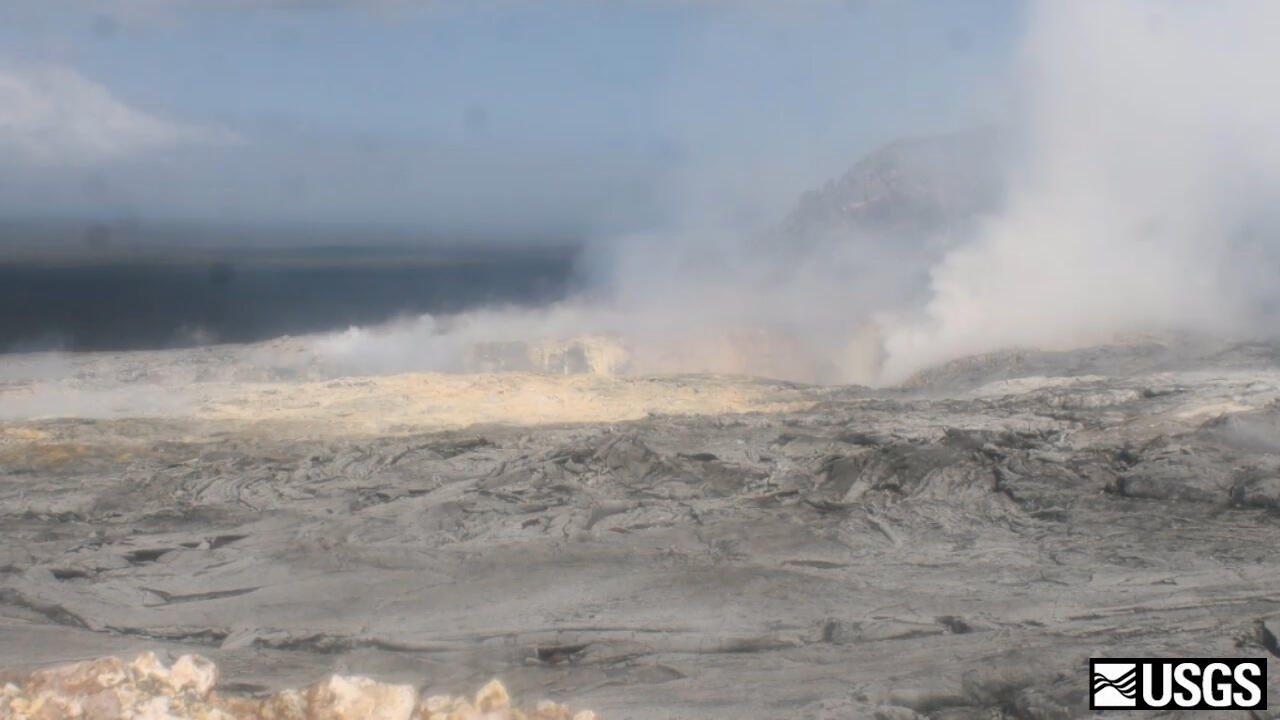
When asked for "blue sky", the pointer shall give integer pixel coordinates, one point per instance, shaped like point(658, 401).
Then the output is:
point(488, 116)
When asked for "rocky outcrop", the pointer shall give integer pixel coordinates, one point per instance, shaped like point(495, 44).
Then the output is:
point(909, 190)
point(757, 350)
point(111, 689)
point(585, 355)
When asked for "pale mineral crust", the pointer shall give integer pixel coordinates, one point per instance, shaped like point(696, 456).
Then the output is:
point(145, 689)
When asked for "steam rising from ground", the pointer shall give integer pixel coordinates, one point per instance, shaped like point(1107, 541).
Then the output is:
point(1144, 201)
point(1153, 143)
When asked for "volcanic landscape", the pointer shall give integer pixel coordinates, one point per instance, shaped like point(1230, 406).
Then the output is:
point(648, 546)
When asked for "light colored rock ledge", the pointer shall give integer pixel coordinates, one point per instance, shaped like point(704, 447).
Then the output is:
point(144, 689)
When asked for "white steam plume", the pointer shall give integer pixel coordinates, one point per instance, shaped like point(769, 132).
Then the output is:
point(1153, 158)
point(1145, 198)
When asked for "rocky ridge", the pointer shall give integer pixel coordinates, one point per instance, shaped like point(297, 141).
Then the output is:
point(910, 191)
point(144, 689)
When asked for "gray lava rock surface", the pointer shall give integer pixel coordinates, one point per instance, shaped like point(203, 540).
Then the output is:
point(956, 550)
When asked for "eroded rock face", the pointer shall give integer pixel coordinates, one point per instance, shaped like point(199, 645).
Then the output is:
point(586, 355)
point(110, 689)
point(752, 350)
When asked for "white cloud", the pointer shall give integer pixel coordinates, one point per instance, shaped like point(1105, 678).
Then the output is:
point(53, 115)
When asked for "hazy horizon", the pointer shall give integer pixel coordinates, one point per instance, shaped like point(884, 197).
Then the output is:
point(1128, 186)
point(568, 117)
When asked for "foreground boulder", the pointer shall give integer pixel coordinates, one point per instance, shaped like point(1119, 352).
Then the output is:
point(111, 689)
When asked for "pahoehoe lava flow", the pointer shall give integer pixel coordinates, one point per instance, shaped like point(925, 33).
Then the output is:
point(953, 548)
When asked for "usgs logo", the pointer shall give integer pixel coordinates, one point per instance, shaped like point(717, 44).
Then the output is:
point(1178, 683)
